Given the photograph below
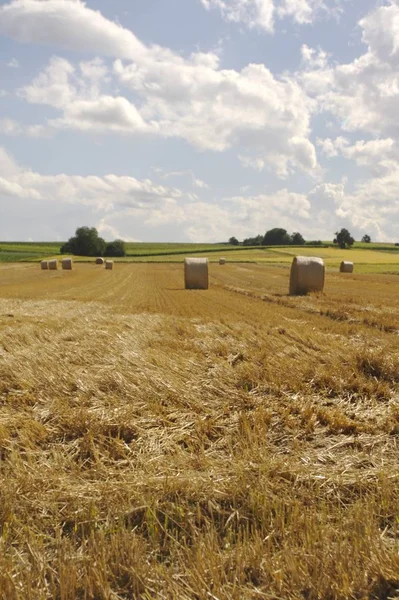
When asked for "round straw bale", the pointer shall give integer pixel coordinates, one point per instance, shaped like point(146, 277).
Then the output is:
point(53, 264)
point(222, 260)
point(307, 275)
point(44, 265)
point(99, 261)
point(109, 264)
point(196, 273)
point(67, 264)
point(346, 266)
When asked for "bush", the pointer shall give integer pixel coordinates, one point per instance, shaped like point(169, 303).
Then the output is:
point(254, 241)
point(115, 248)
point(297, 239)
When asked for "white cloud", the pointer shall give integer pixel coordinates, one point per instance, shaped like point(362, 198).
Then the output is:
point(13, 64)
point(53, 85)
point(372, 207)
point(12, 127)
point(103, 114)
point(69, 24)
point(306, 11)
point(76, 92)
point(267, 117)
point(8, 167)
point(145, 204)
point(211, 108)
point(363, 94)
point(253, 13)
point(381, 32)
point(215, 109)
point(188, 173)
point(109, 232)
point(313, 59)
point(262, 13)
point(378, 155)
point(107, 193)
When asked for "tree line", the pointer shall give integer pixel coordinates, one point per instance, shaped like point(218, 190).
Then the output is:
point(280, 237)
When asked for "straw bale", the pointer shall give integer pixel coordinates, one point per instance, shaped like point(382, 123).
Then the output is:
point(222, 260)
point(346, 266)
point(307, 275)
point(99, 261)
point(44, 265)
point(196, 274)
point(109, 264)
point(67, 264)
point(53, 264)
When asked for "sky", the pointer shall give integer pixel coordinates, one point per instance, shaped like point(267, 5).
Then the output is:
point(198, 120)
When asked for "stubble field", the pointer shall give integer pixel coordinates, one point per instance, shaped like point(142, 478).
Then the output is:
point(222, 444)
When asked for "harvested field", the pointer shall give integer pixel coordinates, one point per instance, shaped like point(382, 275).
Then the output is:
point(223, 444)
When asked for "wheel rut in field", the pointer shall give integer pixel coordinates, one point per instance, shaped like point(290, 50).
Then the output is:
point(327, 313)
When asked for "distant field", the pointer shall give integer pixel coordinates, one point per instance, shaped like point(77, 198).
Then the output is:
point(368, 258)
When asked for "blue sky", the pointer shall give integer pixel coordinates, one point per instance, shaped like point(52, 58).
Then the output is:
point(196, 120)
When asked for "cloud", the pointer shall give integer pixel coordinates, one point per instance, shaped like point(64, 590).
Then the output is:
point(69, 24)
point(13, 128)
point(192, 98)
point(104, 114)
point(253, 13)
point(13, 64)
point(107, 193)
point(261, 14)
point(137, 204)
point(188, 173)
point(215, 109)
point(363, 94)
point(109, 232)
point(76, 92)
point(306, 11)
point(378, 155)
point(372, 207)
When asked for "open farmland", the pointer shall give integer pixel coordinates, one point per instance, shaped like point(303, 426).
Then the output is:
point(368, 258)
point(222, 444)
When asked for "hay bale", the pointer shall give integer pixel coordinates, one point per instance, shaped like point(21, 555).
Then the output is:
point(307, 275)
point(99, 261)
point(222, 260)
point(67, 264)
point(53, 264)
point(44, 265)
point(109, 264)
point(196, 274)
point(346, 266)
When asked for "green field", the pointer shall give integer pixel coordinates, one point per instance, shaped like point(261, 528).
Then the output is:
point(368, 258)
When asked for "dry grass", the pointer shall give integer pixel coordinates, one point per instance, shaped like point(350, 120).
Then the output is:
point(222, 444)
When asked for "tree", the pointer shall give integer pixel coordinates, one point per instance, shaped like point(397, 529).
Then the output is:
point(343, 238)
point(86, 242)
point(366, 239)
point(276, 237)
point(254, 241)
point(297, 239)
point(233, 241)
point(115, 248)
